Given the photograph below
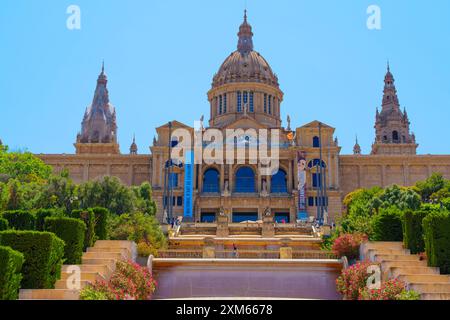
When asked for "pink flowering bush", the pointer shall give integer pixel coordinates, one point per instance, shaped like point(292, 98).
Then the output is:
point(348, 245)
point(390, 290)
point(352, 280)
point(128, 282)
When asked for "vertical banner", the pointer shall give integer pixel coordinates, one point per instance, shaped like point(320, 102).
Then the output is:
point(301, 172)
point(189, 186)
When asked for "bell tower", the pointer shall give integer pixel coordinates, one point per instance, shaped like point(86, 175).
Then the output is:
point(99, 127)
point(392, 133)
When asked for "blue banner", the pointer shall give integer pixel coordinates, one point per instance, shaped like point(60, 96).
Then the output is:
point(189, 186)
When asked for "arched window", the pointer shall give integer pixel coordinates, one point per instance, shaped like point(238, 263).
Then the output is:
point(279, 182)
point(211, 181)
point(315, 163)
point(316, 142)
point(245, 180)
point(395, 136)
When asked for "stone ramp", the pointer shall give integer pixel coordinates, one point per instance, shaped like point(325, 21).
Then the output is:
point(397, 262)
point(98, 263)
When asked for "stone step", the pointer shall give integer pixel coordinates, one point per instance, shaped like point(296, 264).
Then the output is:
point(384, 245)
point(109, 249)
point(85, 276)
point(397, 271)
point(100, 261)
point(424, 278)
point(395, 257)
point(386, 264)
point(49, 294)
point(430, 287)
point(104, 255)
point(115, 244)
point(62, 284)
point(435, 296)
point(105, 270)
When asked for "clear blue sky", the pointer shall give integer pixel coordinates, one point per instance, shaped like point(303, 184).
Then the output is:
point(160, 57)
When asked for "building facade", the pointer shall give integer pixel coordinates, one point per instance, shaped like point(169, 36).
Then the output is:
point(246, 94)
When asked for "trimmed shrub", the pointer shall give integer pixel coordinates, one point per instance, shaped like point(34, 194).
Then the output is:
point(11, 262)
point(72, 231)
point(436, 226)
point(88, 217)
point(387, 225)
point(413, 231)
point(20, 219)
point(41, 214)
point(43, 252)
point(101, 222)
point(4, 225)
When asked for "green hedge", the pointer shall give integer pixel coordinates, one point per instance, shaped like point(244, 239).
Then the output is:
point(436, 226)
point(4, 225)
point(88, 217)
point(72, 231)
point(387, 225)
point(43, 252)
point(20, 219)
point(101, 222)
point(413, 231)
point(11, 262)
point(41, 214)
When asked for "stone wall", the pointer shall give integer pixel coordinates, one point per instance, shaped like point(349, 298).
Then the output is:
point(130, 169)
point(378, 170)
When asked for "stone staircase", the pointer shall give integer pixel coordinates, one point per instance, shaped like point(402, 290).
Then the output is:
point(98, 263)
point(397, 262)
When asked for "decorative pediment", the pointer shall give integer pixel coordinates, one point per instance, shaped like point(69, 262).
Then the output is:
point(246, 123)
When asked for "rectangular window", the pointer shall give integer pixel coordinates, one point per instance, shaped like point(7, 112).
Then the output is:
point(265, 102)
point(270, 104)
point(239, 101)
point(220, 104)
point(245, 97)
point(173, 180)
point(317, 181)
point(311, 201)
point(252, 108)
point(179, 201)
point(225, 103)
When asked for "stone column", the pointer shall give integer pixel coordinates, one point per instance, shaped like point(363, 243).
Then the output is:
point(231, 178)
point(131, 174)
point(86, 172)
point(200, 178)
point(222, 178)
point(290, 174)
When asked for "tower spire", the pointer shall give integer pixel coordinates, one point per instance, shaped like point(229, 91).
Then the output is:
point(245, 43)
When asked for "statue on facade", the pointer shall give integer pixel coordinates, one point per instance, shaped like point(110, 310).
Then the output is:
point(288, 123)
point(222, 211)
point(267, 212)
point(226, 189)
point(264, 191)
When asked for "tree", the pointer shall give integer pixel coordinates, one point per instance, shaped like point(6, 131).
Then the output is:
point(108, 193)
point(144, 202)
point(431, 185)
point(25, 167)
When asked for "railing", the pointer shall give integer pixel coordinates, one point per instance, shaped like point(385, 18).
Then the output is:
point(248, 254)
point(180, 254)
point(313, 254)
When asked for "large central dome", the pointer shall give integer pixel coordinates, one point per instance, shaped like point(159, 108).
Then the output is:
point(245, 64)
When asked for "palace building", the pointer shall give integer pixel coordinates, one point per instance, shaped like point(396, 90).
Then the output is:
point(245, 94)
